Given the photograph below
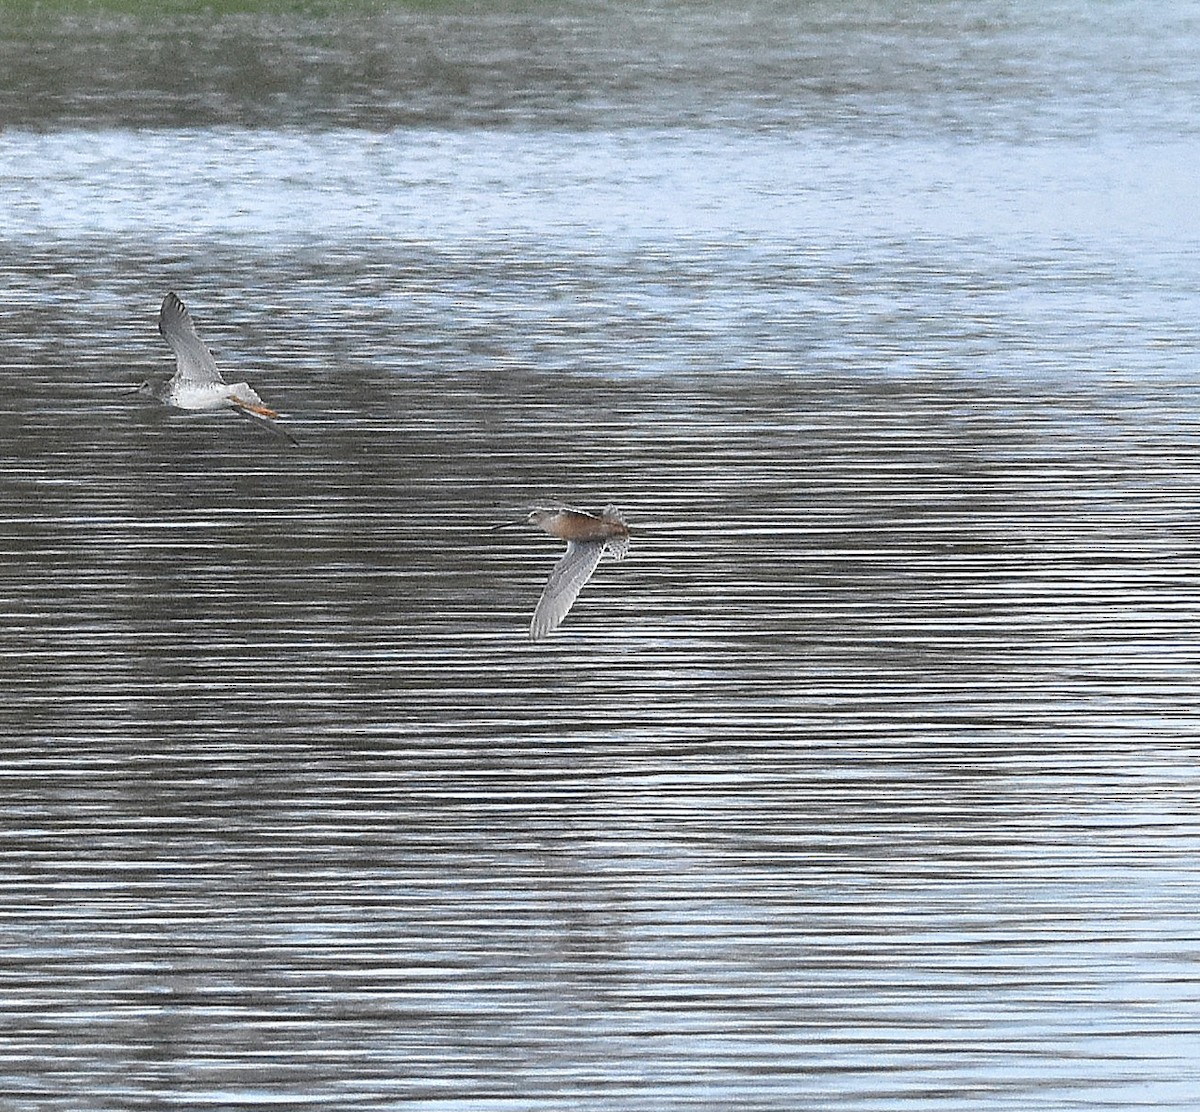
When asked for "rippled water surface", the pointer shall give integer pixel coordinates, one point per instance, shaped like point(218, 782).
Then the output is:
point(868, 780)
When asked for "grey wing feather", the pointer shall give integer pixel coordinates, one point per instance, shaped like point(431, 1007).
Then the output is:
point(193, 361)
point(566, 581)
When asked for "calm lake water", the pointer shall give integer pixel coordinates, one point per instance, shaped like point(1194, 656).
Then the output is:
point(869, 780)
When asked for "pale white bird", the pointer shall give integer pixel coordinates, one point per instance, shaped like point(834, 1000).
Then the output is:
point(588, 537)
point(197, 383)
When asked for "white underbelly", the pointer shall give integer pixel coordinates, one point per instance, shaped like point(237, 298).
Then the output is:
point(214, 395)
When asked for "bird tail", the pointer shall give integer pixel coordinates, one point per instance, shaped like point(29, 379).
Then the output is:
point(616, 547)
point(250, 405)
point(256, 407)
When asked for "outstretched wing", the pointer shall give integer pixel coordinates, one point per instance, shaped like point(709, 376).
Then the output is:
point(566, 581)
point(194, 363)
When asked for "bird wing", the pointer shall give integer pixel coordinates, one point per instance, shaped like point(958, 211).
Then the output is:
point(193, 361)
point(566, 581)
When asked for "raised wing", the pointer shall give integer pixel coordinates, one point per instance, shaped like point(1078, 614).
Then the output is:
point(566, 581)
point(193, 362)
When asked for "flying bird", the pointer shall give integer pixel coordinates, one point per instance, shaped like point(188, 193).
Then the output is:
point(197, 383)
point(588, 537)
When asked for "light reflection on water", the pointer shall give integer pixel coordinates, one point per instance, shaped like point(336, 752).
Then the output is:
point(867, 773)
point(866, 781)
